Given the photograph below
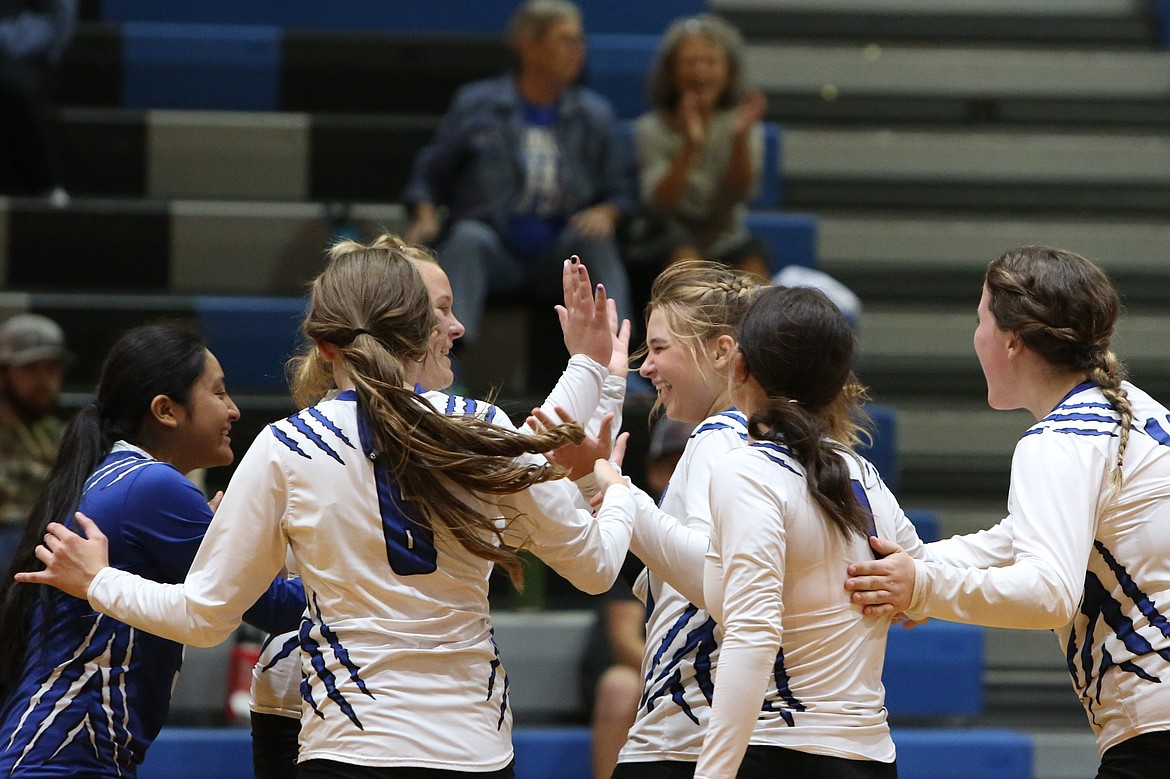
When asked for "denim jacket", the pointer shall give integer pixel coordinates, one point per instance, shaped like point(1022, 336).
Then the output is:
point(474, 167)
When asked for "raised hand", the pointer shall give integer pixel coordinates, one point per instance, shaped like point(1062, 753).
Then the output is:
point(619, 361)
point(578, 459)
point(584, 316)
point(749, 111)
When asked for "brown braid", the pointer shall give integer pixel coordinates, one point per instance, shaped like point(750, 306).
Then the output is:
point(1064, 308)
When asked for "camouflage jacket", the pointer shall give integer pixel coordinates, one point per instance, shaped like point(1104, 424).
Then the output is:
point(26, 456)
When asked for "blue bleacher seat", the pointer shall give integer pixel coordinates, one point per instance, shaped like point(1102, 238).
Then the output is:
point(617, 67)
point(883, 452)
point(772, 175)
point(405, 15)
point(925, 522)
point(934, 670)
point(789, 237)
point(252, 337)
point(201, 66)
point(199, 753)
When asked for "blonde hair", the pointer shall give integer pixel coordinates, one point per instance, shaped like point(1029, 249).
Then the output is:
point(700, 300)
point(371, 303)
point(1064, 308)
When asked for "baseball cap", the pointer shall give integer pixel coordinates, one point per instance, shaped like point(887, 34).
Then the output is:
point(27, 338)
point(668, 437)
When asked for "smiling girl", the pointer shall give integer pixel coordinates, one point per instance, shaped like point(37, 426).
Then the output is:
point(694, 310)
point(85, 694)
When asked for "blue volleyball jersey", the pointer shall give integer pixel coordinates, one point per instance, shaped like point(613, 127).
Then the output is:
point(1078, 555)
point(94, 691)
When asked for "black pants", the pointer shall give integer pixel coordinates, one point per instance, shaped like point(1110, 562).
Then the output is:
point(1140, 757)
point(662, 769)
point(330, 769)
point(274, 746)
point(767, 762)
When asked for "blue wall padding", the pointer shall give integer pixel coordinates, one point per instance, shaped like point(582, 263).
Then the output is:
point(201, 66)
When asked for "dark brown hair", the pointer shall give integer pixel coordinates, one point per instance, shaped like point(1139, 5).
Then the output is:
point(798, 346)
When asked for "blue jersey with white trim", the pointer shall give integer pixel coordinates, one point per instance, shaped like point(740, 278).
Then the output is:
point(681, 647)
point(94, 691)
point(1084, 557)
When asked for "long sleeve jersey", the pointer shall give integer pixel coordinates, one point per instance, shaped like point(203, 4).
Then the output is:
point(681, 647)
point(1079, 556)
point(399, 661)
point(799, 667)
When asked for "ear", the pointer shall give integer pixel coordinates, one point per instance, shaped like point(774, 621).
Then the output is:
point(166, 411)
point(723, 348)
point(1015, 344)
point(328, 352)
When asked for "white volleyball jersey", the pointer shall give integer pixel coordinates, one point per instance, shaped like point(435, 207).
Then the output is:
point(585, 384)
point(799, 666)
point(681, 647)
point(400, 667)
point(1079, 556)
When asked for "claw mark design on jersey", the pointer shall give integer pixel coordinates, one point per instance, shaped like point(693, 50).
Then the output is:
point(495, 664)
point(291, 644)
point(736, 422)
point(284, 438)
point(1098, 607)
point(699, 643)
point(767, 447)
point(313, 437)
point(788, 702)
point(57, 706)
point(471, 408)
point(328, 424)
point(312, 647)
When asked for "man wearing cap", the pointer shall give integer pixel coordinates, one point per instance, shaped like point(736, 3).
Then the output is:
point(33, 359)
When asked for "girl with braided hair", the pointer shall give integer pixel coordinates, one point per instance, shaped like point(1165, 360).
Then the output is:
point(394, 515)
point(694, 309)
point(1084, 548)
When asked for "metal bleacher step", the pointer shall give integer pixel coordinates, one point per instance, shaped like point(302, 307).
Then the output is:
point(942, 257)
point(1028, 172)
point(1119, 23)
point(926, 349)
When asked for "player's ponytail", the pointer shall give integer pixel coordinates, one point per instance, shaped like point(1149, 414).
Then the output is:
point(799, 348)
point(371, 303)
point(145, 362)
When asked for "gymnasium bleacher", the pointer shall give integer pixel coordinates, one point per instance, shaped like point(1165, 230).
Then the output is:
point(213, 148)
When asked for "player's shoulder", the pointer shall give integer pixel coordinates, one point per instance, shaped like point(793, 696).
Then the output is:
point(326, 428)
